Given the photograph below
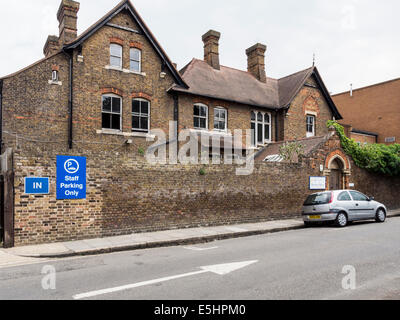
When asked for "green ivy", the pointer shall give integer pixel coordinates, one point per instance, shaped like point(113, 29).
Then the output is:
point(377, 158)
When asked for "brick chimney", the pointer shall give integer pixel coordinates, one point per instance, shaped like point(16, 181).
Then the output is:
point(211, 48)
point(67, 16)
point(51, 46)
point(256, 61)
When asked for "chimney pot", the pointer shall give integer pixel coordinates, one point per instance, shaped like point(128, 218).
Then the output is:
point(67, 16)
point(256, 61)
point(211, 48)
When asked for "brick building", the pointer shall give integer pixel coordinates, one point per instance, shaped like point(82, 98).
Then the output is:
point(372, 112)
point(100, 94)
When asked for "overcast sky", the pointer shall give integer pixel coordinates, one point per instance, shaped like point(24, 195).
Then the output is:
point(355, 41)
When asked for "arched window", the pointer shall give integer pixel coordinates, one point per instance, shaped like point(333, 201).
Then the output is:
point(140, 115)
point(220, 119)
point(135, 60)
point(261, 127)
point(115, 55)
point(200, 116)
point(111, 112)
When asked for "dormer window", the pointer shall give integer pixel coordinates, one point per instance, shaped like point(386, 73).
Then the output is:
point(115, 55)
point(135, 60)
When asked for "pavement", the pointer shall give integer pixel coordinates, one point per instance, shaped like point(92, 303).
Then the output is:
point(188, 236)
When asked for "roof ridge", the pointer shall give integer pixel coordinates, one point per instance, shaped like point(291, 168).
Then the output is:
point(293, 74)
point(236, 69)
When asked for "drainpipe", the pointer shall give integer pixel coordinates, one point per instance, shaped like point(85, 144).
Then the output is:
point(176, 119)
point(1, 116)
point(70, 55)
point(276, 126)
point(70, 99)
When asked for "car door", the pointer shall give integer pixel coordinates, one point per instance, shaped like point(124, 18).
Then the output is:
point(346, 202)
point(361, 207)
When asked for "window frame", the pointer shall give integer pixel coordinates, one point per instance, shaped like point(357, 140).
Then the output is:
point(357, 192)
point(140, 115)
point(111, 95)
point(54, 76)
point(139, 61)
point(201, 117)
point(314, 117)
point(221, 119)
point(113, 56)
point(256, 123)
point(344, 192)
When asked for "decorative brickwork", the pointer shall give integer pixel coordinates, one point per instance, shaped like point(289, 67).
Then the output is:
point(112, 90)
point(117, 41)
point(311, 105)
point(141, 95)
point(135, 44)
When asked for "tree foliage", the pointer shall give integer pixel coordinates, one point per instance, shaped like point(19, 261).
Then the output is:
point(289, 150)
point(377, 158)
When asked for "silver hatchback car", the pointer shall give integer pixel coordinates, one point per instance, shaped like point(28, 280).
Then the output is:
point(341, 207)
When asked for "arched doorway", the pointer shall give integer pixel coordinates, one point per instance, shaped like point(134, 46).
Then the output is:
point(336, 181)
point(337, 170)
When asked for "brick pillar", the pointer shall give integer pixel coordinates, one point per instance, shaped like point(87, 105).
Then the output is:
point(256, 61)
point(51, 46)
point(67, 16)
point(211, 48)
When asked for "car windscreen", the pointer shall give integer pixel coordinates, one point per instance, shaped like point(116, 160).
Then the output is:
point(318, 198)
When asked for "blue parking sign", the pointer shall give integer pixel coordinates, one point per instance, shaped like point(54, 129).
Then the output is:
point(35, 185)
point(71, 177)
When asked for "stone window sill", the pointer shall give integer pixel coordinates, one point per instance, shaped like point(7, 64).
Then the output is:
point(125, 70)
point(58, 83)
point(126, 134)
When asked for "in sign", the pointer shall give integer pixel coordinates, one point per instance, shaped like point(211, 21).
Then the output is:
point(35, 185)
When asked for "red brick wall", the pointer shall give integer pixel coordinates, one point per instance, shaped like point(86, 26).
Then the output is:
point(373, 109)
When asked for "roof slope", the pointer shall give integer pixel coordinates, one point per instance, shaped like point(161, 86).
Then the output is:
point(289, 86)
point(229, 84)
point(309, 145)
point(242, 87)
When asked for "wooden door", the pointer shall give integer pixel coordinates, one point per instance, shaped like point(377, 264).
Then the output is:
point(335, 180)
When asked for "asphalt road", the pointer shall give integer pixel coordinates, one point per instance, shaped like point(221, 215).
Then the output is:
point(301, 264)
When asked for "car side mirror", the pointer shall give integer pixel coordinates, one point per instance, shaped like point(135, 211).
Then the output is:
point(371, 199)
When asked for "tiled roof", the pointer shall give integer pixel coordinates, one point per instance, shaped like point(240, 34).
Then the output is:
point(273, 150)
point(241, 86)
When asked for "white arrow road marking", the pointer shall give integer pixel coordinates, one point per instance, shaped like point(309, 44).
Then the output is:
point(200, 249)
point(220, 269)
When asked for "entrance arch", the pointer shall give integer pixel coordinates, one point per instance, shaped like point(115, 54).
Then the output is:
point(337, 170)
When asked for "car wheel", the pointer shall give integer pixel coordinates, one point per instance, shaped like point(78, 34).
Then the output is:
point(380, 215)
point(341, 220)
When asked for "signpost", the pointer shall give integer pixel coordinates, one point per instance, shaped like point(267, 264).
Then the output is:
point(317, 183)
point(71, 177)
point(35, 185)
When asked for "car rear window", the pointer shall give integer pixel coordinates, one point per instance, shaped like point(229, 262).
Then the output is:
point(318, 198)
